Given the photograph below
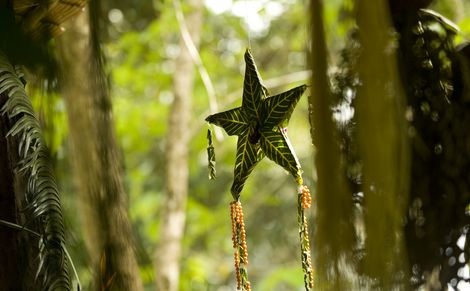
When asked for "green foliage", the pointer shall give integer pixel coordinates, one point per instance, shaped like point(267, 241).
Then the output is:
point(435, 87)
point(435, 112)
point(141, 55)
point(42, 196)
point(140, 65)
point(284, 278)
point(50, 110)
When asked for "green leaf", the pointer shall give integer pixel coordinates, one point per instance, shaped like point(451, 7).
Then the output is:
point(234, 121)
point(253, 91)
point(447, 24)
point(279, 108)
point(248, 155)
point(277, 147)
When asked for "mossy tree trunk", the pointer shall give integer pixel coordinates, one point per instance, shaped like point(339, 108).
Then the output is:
point(383, 145)
point(334, 230)
point(167, 256)
point(102, 199)
point(344, 260)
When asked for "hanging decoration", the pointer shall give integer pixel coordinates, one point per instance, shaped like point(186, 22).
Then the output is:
point(261, 126)
point(211, 156)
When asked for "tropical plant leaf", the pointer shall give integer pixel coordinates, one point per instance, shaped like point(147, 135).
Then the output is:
point(279, 108)
point(248, 155)
point(433, 17)
point(253, 90)
point(233, 121)
point(42, 199)
point(277, 148)
point(211, 156)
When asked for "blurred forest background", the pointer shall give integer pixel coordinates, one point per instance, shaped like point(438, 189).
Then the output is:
point(142, 45)
point(159, 102)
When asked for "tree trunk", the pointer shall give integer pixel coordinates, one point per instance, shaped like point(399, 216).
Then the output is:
point(97, 164)
point(10, 267)
point(334, 234)
point(383, 147)
point(173, 217)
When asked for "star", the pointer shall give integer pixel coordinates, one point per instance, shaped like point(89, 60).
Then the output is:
point(260, 124)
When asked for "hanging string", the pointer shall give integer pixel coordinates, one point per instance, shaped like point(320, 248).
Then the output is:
point(196, 57)
point(210, 155)
point(247, 24)
point(304, 201)
point(239, 244)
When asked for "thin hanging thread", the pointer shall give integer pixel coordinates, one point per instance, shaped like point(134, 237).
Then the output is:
point(196, 58)
point(247, 25)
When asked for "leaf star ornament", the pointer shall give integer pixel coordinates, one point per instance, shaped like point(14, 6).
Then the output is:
point(260, 124)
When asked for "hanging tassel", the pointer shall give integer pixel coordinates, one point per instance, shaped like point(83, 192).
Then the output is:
point(239, 244)
point(304, 202)
point(211, 156)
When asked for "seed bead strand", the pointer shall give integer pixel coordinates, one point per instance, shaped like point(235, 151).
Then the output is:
point(243, 244)
point(239, 244)
point(234, 223)
point(237, 271)
point(309, 257)
point(242, 232)
point(304, 202)
point(306, 197)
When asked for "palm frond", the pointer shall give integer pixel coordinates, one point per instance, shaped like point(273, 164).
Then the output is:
point(42, 196)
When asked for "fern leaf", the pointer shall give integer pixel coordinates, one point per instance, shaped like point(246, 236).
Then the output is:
point(43, 203)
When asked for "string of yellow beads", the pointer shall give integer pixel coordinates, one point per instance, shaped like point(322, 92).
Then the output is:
point(305, 201)
point(237, 266)
point(234, 223)
point(306, 197)
point(239, 244)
